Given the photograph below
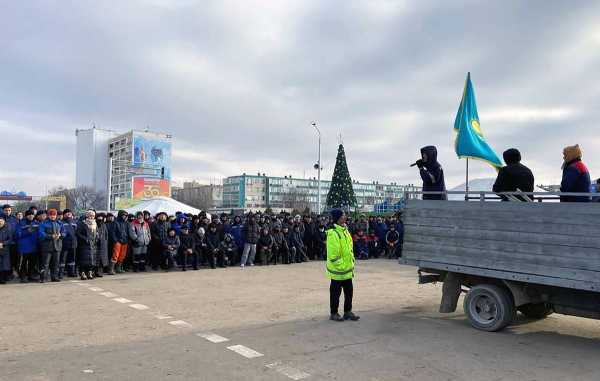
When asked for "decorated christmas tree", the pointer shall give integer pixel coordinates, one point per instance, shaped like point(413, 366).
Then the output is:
point(341, 193)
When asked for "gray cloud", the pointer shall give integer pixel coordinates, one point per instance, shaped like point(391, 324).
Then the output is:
point(238, 83)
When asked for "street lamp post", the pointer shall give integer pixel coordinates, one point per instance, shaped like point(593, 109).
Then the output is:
point(318, 168)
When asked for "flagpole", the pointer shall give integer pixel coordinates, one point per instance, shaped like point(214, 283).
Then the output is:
point(467, 182)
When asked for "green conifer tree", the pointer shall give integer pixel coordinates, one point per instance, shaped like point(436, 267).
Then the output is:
point(341, 193)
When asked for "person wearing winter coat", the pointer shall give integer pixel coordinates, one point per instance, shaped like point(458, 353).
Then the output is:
point(170, 248)
point(281, 252)
point(310, 236)
point(250, 234)
point(187, 249)
point(87, 244)
point(576, 177)
point(27, 246)
point(380, 232)
point(12, 222)
point(289, 242)
point(68, 253)
point(514, 176)
point(120, 237)
point(158, 233)
point(180, 221)
point(6, 239)
point(102, 245)
point(213, 246)
point(265, 246)
point(50, 235)
point(229, 250)
point(298, 243)
point(362, 224)
point(431, 173)
point(201, 246)
point(236, 233)
point(361, 246)
point(321, 243)
point(392, 241)
point(139, 235)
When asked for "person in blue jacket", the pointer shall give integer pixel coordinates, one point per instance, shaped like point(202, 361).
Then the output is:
point(180, 221)
point(50, 233)
point(431, 173)
point(27, 246)
point(68, 253)
point(380, 233)
point(576, 177)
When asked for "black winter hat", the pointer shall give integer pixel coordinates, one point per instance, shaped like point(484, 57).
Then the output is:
point(336, 214)
point(29, 213)
point(41, 212)
point(512, 156)
point(121, 213)
point(66, 211)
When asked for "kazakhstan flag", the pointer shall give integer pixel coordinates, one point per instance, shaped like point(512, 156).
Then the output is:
point(469, 139)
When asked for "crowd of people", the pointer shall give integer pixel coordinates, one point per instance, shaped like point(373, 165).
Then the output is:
point(41, 245)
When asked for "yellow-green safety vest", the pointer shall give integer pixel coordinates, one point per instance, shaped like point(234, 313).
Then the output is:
point(340, 253)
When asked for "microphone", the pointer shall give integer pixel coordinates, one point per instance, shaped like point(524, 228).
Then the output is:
point(413, 164)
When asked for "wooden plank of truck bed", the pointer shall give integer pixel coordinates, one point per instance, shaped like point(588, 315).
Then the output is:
point(554, 244)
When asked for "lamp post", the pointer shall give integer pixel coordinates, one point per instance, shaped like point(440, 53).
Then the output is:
point(318, 168)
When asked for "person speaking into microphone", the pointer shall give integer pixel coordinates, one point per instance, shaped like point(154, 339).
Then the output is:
point(432, 174)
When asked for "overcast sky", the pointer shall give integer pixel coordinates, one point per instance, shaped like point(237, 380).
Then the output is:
point(238, 83)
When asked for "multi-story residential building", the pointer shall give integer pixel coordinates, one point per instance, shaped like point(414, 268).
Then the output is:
point(259, 192)
point(204, 197)
point(140, 167)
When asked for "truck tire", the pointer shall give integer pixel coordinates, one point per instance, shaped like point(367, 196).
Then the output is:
point(489, 307)
point(536, 310)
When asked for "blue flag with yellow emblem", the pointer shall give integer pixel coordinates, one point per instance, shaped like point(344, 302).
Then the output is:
point(469, 139)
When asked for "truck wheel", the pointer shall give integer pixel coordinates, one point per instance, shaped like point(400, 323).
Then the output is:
point(536, 310)
point(489, 308)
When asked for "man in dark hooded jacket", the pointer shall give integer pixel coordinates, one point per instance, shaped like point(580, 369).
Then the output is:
point(514, 176)
point(432, 174)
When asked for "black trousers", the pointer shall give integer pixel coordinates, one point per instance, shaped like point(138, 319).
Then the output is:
point(49, 262)
point(335, 291)
point(27, 266)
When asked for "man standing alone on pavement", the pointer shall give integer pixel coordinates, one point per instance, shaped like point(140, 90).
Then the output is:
point(340, 266)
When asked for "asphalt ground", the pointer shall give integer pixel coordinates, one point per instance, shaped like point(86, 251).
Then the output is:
point(270, 323)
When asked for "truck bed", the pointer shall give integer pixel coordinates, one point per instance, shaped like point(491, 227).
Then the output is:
point(555, 244)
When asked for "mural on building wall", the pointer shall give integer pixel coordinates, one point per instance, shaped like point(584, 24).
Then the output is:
point(149, 187)
point(153, 155)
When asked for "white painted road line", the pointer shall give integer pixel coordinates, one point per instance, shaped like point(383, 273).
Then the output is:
point(96, 289)
point(139, 307)
point(122, 300)
point(213, 338)
point(83, 285)
point(109, 294)
point(245, 351)
point(180, 324)
point(163, 317)
point(288, 371)
point(75, 281)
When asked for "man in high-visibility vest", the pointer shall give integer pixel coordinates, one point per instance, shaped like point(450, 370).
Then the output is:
point(340, 266)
